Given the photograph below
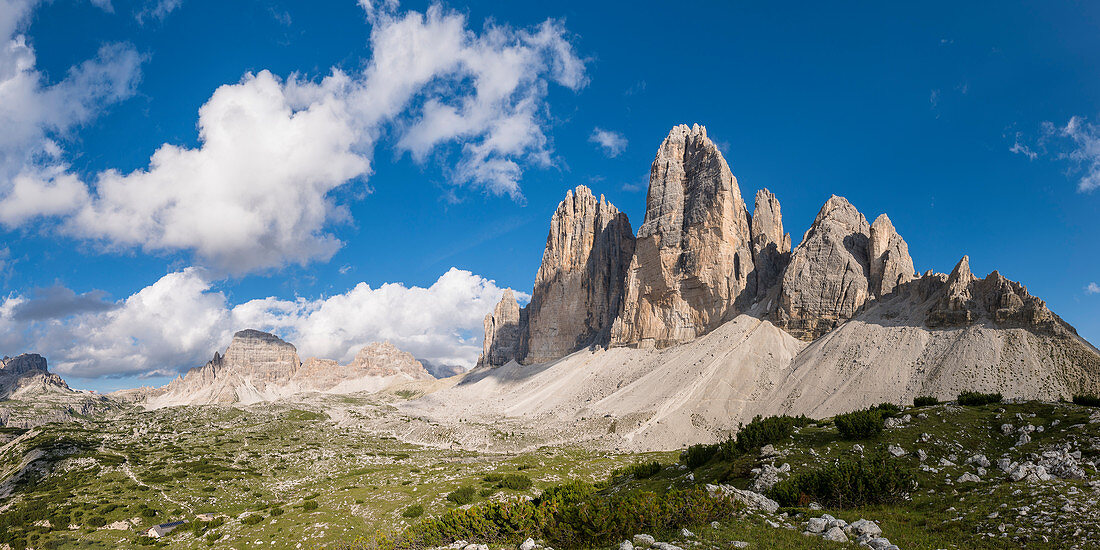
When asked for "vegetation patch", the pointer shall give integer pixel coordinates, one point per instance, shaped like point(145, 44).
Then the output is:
point(874, 479)
point(864, 424)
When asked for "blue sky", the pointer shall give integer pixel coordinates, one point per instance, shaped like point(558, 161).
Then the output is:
point(336, 197)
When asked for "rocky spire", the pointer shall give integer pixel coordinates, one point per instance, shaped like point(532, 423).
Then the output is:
point(693, 254)
point(890, 263)
point(579, 286)
point(771, 248)
point(827, 280)
point(505, 332)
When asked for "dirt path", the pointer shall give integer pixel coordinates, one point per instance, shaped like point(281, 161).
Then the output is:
point(130, 473)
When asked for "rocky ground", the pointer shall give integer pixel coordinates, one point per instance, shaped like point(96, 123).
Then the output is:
point(338, 469)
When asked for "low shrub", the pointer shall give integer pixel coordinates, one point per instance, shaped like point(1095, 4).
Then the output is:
point(873, 479)
point(253, 519)
point(887, 409)
point(863, 424)
point(642, 470)
point(462, 495)
point(413, 511)
point(698, 455)
point(925, 401)
point(1087, 400)
point(972, 398)
point(569, 516)
point(763, 431)
point(493, 477)
point(520, 482)
point(309, 505)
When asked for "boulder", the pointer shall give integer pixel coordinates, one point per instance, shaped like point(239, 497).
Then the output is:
point(836, 534)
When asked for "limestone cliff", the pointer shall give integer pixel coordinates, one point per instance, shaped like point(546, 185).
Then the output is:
point(579, 286)
point(827, 280)
point(693, 254)
point(889, 262)
point(505, 333)
point(771, 247)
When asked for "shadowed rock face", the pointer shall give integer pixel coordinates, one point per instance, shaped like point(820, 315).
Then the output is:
point(579, 286)
point(890, 263)
point(505, 332)
point(693, 254)
point(771, 247)
point(22, 364)
point(827, 280)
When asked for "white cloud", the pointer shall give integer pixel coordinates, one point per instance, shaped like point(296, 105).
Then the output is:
point(1078, 141)
point(613, 143)
point(180, 320)
point(156, 10)
point(1023, 149)
point(1092, 288)
point(37, 117)
point(1086, 138)
point(255, 193)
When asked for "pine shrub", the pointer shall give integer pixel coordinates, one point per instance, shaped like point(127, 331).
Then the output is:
point(863, 424)
point(925, 401)
point(874, 479)
point(1087, 400)
point(972, 398)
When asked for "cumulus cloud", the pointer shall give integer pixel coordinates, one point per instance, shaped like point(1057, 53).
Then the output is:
point(58, 301)
point(179, 321)
point(38, 116)
point(256, 192)
point(612, 143)
point(1092, 288)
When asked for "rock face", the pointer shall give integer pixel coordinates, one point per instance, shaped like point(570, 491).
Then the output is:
point(505, 333)
point(890, 263)
point(965, 299)
point(375, 366)
point(31, 395)
point(693, 254)
point(579, 286)
point(22, 364)
point(771, 247)
point(827, 280)
point(440, 370)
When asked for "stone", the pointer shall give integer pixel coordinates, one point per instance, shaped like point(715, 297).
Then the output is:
point(771, 247)
point(739, 544)
point(579, 285)
point(895, 450)
point(686, 533)
point(505, 333)
point(693, 254)
point(1007, 429)
point(922, 455)
point(836, 534)
point(979, 460)
point(1023, 440)
point(889, 262)
point(817, 525)
point(864, 527)
point(626, 545)
point(968, 478)
point(751, 499)
point(643, 541)
point(826, 282)
point(529, 544)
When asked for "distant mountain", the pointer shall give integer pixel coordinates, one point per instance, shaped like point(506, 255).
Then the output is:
point(258, 366)
point(31, 395)
point(442, 371)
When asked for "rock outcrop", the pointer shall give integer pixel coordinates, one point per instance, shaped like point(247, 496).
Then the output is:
point(965, 299)
point(31, 395)
point(693, 254)
point(890, 263)
point(827, 280)
point(505, 333)
point(771, 247)
point(579, 286)
point(258, 366)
